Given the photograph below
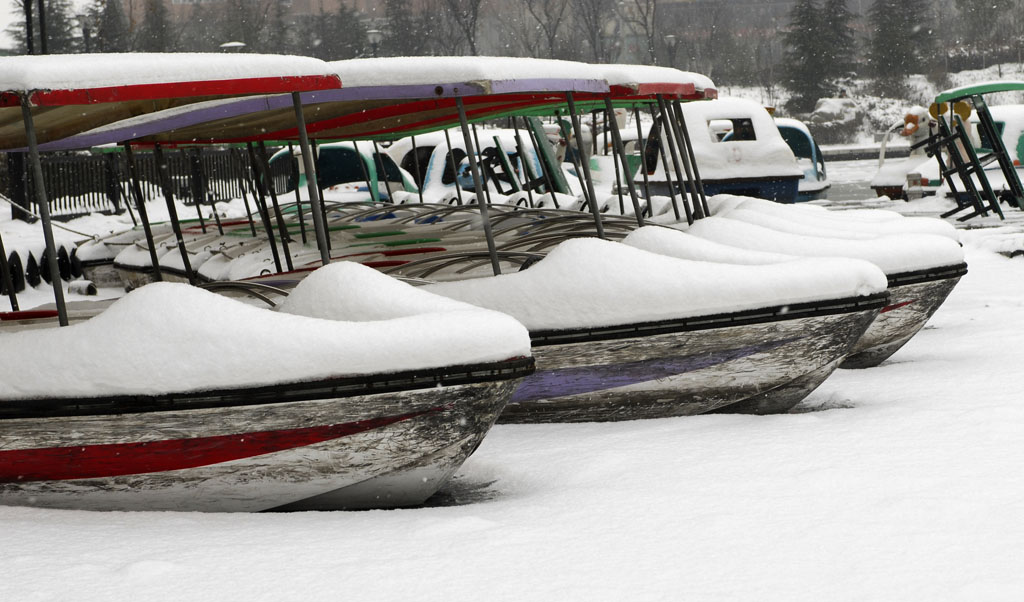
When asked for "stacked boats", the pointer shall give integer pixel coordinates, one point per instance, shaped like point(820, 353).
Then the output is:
point(358, 390)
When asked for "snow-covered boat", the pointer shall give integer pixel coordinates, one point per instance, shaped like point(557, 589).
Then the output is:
point(920, 257)
point(619, 333)
point(815, 183)
point(893, 178)
point(179, 399)
point(753, 160)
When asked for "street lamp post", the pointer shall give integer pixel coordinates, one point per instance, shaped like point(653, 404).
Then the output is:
point(671, 44)
point(374, 36)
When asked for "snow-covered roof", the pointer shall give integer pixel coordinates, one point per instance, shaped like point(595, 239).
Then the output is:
point(591, 282)
point(979, 88)
point(475, 74)
point(76, 93)
point(93, 78)
point(650, 79)
point(168, 337)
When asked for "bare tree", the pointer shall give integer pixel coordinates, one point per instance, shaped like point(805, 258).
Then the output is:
point(465, 14)
point(592, 16)
point(641, 17)
point(549, 15)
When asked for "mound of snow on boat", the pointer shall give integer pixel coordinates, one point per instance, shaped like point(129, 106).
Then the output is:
point(893, 254)
point(168, 337)
point(591, 283)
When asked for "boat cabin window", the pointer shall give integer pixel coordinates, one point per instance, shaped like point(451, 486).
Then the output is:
point(742, 129)
point(422, 158)
point(455, 157)
point(797, 141)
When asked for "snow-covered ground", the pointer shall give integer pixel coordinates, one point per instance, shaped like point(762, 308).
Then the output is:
point(897, 482)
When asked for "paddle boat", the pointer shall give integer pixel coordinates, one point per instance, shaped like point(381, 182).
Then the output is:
point(373, 412)
point(262, 409)
point(814, 184)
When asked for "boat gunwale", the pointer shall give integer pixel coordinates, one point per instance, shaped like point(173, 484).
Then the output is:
point(775, 313)
point(279, 393)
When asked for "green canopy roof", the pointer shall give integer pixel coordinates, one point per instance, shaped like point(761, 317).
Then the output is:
point(975, 89)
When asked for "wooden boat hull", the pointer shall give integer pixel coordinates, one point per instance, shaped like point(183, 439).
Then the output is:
point(767, 359)
point(914, 297)
point(380, 442)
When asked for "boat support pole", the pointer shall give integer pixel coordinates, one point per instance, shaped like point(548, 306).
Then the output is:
point(524, 162)
point(477, 182)
point(195, 163)
point(5, 273)
point(699, 208)
point(576, 159)
point(483, 171)
point(620, 151)
point(669, 134)
point(282, 229)
point(298, 194)
point(455, 169)
point(586, 165)
point(44, 211)
point(378, 160)
point(172, 211)
point(693, 158)
point(140, 204)
point(261, 205)
point(242, 187)
point(416, 164)
point(641, 144)
point(311, 182)
point(659, 136)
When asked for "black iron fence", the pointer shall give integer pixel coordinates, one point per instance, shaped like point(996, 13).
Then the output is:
point(81, 183)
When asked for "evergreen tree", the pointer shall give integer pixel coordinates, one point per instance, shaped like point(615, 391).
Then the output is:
point(333, 36)
point(805, 57)
point(61, 36)
point(406, 33)
point(901, 42)
point(156, 34)
point(111, 28)
point(841, 46)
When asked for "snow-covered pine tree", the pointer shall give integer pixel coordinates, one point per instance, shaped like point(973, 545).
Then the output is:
point(156, 34)
point(901, 42)
point(61, 36)
point(111, 27)
point(805, 58)
point(839, 52)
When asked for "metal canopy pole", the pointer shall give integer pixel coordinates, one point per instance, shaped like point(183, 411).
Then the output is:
point(669, 134)
point(700, 202)
point(641, 144)
point(140, 204)
point(261, 206)
point(524, 162)
point(416, 164)
point(370, 188)
point(577, 159)
point(298, 194)
point(378, 160)
point(455, 169)
point(242, 187)
point(311, 181)
point(44, 211)
point(658, 127)
point(281, 227)
point(620, 150)
point(477, 182)
point(172, 212)
point(5, 274)
point(586, 168)
point(196, 184)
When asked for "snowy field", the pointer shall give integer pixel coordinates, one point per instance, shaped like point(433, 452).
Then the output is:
point(898, 482)
point(894, 483)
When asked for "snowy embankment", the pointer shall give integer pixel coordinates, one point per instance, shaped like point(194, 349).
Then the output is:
point(902, 485)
